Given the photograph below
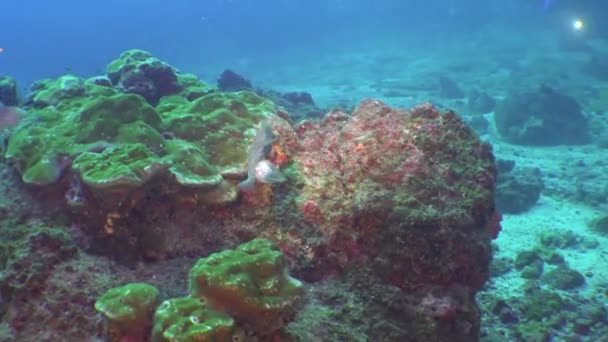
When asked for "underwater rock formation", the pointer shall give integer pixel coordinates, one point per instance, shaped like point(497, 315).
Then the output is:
point(517, 189)
point(597, 66)
point(393, 203)
point(449, 89)
point(299, 105)
point(8, 91)
point(479, 102)
point(542, 117)
point(231, 81)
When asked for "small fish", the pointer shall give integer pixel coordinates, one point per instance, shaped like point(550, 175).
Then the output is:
point(259, 168)
point(266, 172)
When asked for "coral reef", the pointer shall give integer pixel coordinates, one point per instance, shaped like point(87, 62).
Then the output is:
point(299, 105)
point(382, 173)
point(106, 150)
point(395, 205)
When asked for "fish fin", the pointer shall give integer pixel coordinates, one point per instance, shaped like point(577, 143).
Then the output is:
point(248, 185)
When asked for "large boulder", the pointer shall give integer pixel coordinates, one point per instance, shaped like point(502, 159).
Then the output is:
point(541, 117)
point(518, 189)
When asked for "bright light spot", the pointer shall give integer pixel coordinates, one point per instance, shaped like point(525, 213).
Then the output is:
point(578, 24)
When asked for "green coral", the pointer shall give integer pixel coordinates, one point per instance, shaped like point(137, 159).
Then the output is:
point(126, 60)
point(194, 141)
point(102, 117)
point(188, 319)
point(193, 87)
point(129, 310)
point(224, 121)
point(124, 166)
point(83, 124)
point(249, 282)
point(189, 165)
point(50, 92)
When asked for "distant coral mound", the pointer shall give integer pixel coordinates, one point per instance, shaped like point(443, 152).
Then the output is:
point(231, 81)
point(541, 117)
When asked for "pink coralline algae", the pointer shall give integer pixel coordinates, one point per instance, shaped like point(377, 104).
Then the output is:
point(442, 307)
point(419, 181)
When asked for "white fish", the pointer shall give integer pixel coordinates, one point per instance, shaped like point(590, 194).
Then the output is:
point(258, 168)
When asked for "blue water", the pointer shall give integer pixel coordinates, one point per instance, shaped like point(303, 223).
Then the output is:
point(49, 38)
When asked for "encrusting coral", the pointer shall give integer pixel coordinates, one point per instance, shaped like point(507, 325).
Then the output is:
point(247, 286)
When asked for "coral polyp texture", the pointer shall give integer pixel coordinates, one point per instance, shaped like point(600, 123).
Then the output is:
point(128, 311)
point(389, 211)
point(245, 288)
point(251, 283)
point(190, 319)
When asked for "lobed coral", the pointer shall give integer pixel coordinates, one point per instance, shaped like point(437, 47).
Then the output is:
point(190, 319)
point(250, 283)
point(128, 311)
point(248, 286)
